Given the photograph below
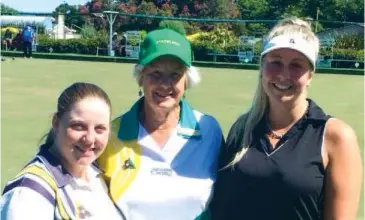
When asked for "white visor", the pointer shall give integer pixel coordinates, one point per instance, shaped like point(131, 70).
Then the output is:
point(292, 42)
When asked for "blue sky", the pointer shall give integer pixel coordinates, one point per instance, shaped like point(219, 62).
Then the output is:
point(39, 5)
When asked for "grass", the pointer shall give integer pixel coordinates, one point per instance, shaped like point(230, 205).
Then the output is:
point(30, 89)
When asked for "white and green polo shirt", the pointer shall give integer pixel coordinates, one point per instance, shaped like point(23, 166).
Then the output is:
point(175, 182)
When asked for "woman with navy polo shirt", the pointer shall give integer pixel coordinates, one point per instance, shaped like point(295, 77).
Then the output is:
point(285, 158)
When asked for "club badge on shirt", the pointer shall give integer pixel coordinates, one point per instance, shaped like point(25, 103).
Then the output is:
point(128, 164)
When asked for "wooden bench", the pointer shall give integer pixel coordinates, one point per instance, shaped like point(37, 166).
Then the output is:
point(101, 49)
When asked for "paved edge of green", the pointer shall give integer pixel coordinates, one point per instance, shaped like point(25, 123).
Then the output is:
point(93, 58)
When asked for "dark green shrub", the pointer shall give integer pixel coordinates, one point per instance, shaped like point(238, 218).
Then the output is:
point(177, 26)
point(354, 42)
point(80, 46)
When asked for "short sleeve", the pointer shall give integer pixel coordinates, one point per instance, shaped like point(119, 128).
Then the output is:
point(25, 203)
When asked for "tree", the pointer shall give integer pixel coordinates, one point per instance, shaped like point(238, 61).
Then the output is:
point(88, 31)
point(6, 10)
point(344, 10)
point(168, 9)
point(336, 10)
point(177, 26)
point(98, 6)
point(87, 10)
point(148, 8)
point(222, 8)
point(72, 15)
point(253, 9)
point(125, 22)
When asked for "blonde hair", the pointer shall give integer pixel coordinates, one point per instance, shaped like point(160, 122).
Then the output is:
point(260, 103)
point(193, 75)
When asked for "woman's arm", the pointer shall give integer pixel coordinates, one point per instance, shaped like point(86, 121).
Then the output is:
point(220, 203)
point(343, 171)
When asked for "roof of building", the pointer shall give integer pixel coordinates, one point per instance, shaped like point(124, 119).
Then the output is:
point(65, 29)
point(21, 21)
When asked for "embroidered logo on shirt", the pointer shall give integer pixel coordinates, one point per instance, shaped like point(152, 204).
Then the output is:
point(128, 164)
point(161, 171)
point(188, 131)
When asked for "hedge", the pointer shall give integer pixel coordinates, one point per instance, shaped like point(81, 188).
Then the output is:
point(79, 46)
point(200, 49)
point(78, 57)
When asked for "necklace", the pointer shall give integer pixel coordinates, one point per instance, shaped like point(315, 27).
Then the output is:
point(274, 134)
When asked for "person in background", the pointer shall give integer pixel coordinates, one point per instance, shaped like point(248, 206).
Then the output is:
point(8, 37)
point(27, 38)
point(161, 159)
point(62, 181)
point(17, 43)
point(116, 44)
point(286, 158)
point(123, 43)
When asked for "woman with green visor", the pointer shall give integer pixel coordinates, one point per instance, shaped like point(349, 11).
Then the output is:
point(160, 162)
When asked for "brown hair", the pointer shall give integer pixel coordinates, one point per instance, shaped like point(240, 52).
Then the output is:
point(69, 97)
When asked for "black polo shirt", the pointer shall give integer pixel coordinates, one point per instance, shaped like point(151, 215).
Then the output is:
point(284, 184)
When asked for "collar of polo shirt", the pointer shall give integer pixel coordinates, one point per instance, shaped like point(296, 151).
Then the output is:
point(188, 125)
point(60, 174)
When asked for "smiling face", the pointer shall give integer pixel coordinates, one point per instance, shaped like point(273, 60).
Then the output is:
point(286, 75)
point(163, 82)
point(81, 134)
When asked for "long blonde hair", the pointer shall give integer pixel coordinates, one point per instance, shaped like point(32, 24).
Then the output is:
point(260, 103)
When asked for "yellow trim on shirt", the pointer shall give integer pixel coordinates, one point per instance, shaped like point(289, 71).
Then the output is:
point(43, 174)
point(113, 159)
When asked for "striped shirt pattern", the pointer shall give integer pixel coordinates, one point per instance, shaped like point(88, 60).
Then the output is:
point(44, 190)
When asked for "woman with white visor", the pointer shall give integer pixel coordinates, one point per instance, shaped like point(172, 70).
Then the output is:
point(285, 158)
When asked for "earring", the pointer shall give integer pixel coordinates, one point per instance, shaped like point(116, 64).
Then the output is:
point(140, 92)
